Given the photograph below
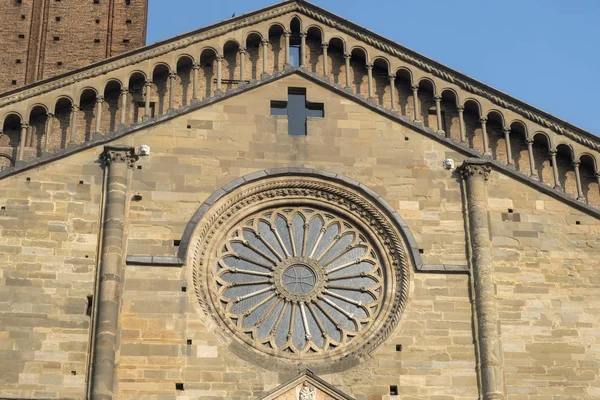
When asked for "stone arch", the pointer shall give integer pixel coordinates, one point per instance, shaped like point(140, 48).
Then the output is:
point(358, 70)
point(381, 81)
point(588, 171)
point(38, 118)
point(296, 23)
point(255, 54)
point(473, 131)
point(426, 96)
point(136, 97)
point(518, 144)
point(566, 172)
point(231, 66)
point(541, 158)
point(160, 83)
point(314, 50)
point(337, 64)
point(403, 83)
point(11, 134)
point(277, 43)
point(63, 110)
point(183, 82)
point(6, 161)
point(112, 96)
point(295, 56)
point(86, 116)
point(207, 73)
point(450, 117)
point(495, 131)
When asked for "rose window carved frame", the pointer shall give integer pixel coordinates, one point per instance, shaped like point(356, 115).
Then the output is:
point(300, 270)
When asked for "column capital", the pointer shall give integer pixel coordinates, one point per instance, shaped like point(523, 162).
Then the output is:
point(196, 66)
point(529, 141)
point(460, 109)
point(265, 42)
point(24, 125)
point(597, 174)
point(242, 51)
point(148, 82)
point(324, 45)
point(124, 90)
point(74, 108)
point(414, 87)
point(119, 155)
point(347, 56)
point(219, 58)
point(553, 152)
point(576, 164)
point(437, 98)
point(483, 120)
point(475, 168)
point(49, 114)
point(303, 34)
point(172, 75)
point(369, 67)
point(99, 99)
point(505, 130)
point(392, 78)
point(287, 33)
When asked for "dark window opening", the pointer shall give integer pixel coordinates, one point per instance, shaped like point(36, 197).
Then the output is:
point(315, 110)
point(394, 390)
point(97, 21)
point(96, 40)
point(18, 1)
point(298, 110)
point(179, 386)
point(96, 1)
point(127, 2)
point(22, 17)
point(60, 63)
point(128, 22)
point(14, 82)
point(278, 107)
point(18, 61)
point(56, 38)
point(89, 305)
point(125, 40)
point(57, 19)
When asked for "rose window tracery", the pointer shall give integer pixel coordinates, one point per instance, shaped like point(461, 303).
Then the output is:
point(300, 269)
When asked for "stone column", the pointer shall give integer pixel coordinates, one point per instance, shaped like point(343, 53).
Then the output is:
point(486, 140)
point(347, 60)
point(147, 95)
point(370, 80)
point(580, 195)
point(531, 159)
point(325, 46)
point(415, 89)
point(99, 101)
point(475, 174)
point(23, 140)
point(242, 65)
point(48, 131)
point(265, 59)
point(219, 74)
point(597, 178)
point(509, 158)
point(195, 69)
point(287, 35)
point(303, 49)
point(124, 93)
point(461, 123)
point(172, 77)
point(438, 112)
point(74, 117)
point(555, 169)
point(392, 79)
point(117, 161)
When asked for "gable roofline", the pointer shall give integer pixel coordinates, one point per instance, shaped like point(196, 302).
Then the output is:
point(312, 379)
point(99, 139)
point(326, 17)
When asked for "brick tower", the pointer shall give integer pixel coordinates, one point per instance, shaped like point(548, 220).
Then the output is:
point(43, 38)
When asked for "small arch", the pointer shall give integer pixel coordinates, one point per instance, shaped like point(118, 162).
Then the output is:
point(337, 64)
point(403, 85)
point(541, 158)
point(254, 33)
point(429, 81)
point(231, 43)
point(86, 117)
point(336, 40)
point(183, 57)
point(426, 97)
point(184, 79)
point(592, 160)
point(11, 134)
point(276, 26)
point(231, 66)
point(160, 81)
point(136, 73)
point(381, 81)
point(63, 110)
point(36, 105)
point(255, 54)
point(38, 116)
point(518, 146)
point(566, 172)
point(6, 161)
point(356, 49)
point(296, 24)
point(277, 44)
point(589, 182)
point(518, 125)
point(450, 93)
point(403, 71)
point(207, 50)
point(450, 117)
point(314, 50)
point(496, 115)
point(161, 66)
point(86, 90)
point(112, 95)
point(316, 27)
point(110, 80)
point(546, 139)
point(382, 61)
point(135, 97)
point(358, 66)
point(473, 128)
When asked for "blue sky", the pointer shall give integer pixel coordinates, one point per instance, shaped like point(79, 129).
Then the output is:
point(543, 52)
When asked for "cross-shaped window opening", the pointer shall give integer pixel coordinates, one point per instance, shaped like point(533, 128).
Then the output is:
point(297, 109)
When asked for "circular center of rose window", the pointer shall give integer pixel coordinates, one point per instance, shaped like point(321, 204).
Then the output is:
point(299, 279)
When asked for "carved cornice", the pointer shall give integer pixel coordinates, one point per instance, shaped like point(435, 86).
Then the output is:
point(471, 169)
point(119, 155)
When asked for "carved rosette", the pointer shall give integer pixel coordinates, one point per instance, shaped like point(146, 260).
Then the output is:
point(300, 269)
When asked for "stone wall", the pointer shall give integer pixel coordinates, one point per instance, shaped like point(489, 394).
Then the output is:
point(544, 261)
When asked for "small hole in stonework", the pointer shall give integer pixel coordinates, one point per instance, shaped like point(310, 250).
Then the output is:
point(139, 167)
point(189, 342)
point(97, 21)
point(96, 40)
point(59, 63)
point(14, 82)
point(73, 372)
point(405, 137)
point(577, 222)
point(189, 127)
point(28, 179)
point(421, 251)
point(81, 182)
point(2, 208)
point(183, 289)
point(23, 17)
point(179, 386)
point(394, 390)
point(88, 308)
point(510, 211)
point(176, 242)
point(398, 347)
point(86, 256)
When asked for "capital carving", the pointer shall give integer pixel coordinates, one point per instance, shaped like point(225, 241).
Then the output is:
point(506, 131)
point(264, 42)
point(219, 59)
point(553, 153)
point(468, 171)
point(100, 99)
point(460, 109)
point(242, 51)
point(287, 34)
point(119, 155)
point(576, 164)
point(483, 120)
point(438, 99)
point(392, 78)
point(24, 125)
point(303, 34)
point(148, 83)
point(124, 90)
point(415, 87)
point(49, 115)
point(325, 45)
point(369, 67)
point(597, 174)
point(529, 141)
point(74, 108)
point(173, 75)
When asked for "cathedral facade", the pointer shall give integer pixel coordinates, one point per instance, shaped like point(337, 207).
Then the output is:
point(285, 205)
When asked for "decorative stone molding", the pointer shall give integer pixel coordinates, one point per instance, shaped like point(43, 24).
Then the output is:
point(470, 170)
point(230, 218)
point(119, 155)
point(307, 392)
